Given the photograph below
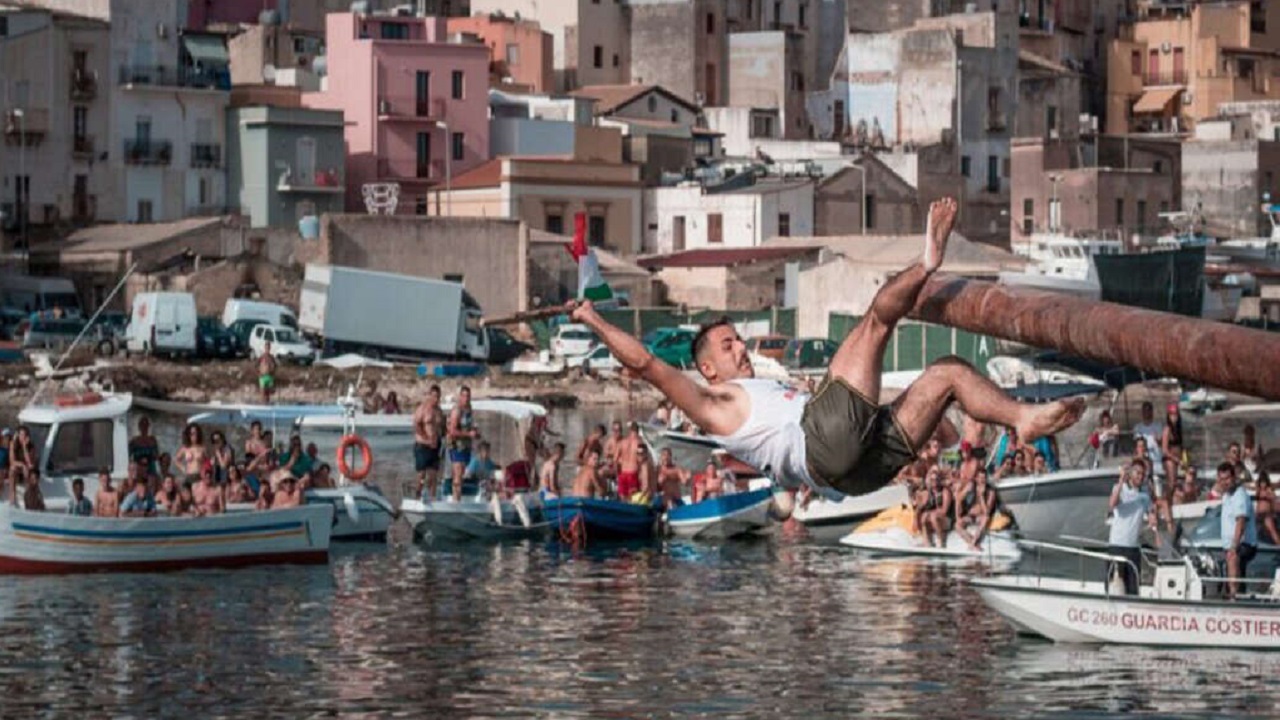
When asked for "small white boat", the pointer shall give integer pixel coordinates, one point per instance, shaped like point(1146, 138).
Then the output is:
point(475, 517)
point(727, 516)
point(54, 542)
point(1173, 610)
point(887, 535)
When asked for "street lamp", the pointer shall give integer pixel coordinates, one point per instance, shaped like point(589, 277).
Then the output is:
point(24, 186)
point(448, 166)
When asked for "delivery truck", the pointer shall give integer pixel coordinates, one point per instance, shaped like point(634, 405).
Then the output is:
point(384, 315)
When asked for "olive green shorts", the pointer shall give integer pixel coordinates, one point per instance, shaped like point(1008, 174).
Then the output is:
point(852, 444)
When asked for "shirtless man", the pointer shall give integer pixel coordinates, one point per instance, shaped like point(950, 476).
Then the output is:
point(266, 365)
point(428, 429)
point(144, 449)
point(256, 443)
point(627, 459)
point(587, 482)
point(289, 495)
point(107, 501)
point(648, 472)
point(549, 475)
point(671, 479)
point(839, 439)
point(207, 495)
point(612, 449)
point(592, 443)
point(32, 496)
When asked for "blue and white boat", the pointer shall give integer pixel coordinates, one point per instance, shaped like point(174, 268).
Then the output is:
point(600, 519)
point(723, 517)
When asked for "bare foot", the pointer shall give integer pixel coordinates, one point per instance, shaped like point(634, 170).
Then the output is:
point(942, 219)
point(1041, 420)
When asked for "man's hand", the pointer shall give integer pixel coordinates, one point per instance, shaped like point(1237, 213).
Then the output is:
point(582, 311)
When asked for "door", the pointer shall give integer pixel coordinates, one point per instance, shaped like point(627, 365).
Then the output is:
point(422, 93)
point(1179, 66)
point(424, 155)
point(677, 233)
point(837, 120)
point(715, 228)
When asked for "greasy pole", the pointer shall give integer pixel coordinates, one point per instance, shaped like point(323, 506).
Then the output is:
point(1216, 354)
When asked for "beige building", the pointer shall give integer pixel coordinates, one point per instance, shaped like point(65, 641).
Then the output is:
point(1186, 59)
point(728, 278)
point(589, 39)
point(868, 198)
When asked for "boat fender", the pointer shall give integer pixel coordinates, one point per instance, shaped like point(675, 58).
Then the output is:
point(496, 506)
point(782, 505)
point(89, 398)
point(353, 508)
point(366, 456)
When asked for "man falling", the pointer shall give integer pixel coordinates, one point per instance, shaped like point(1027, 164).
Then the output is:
point(839, 438)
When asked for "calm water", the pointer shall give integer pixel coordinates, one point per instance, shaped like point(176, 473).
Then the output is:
point(766, 628)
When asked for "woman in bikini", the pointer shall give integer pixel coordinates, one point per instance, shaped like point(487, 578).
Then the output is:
point(1251, 451)
point(1265, 507)
point(224, 458)
point(191, 456)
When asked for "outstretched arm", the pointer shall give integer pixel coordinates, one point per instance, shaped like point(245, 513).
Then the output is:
point(699, 403)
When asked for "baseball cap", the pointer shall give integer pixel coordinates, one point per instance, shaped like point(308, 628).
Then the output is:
point(1173, 407)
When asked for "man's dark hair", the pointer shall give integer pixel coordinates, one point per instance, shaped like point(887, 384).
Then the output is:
point(1234, 444)
point(559, 446)
point(601, 429)
point(700, 340)
point(77, 482)
point(1226, 467)
point(434, 388)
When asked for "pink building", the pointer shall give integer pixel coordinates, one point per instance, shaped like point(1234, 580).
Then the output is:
point(416, 105)
point(521, 53)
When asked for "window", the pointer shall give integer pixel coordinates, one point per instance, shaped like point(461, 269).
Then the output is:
point(457, 85)
point(993, 173)
point(306, 160)
point(142, 129)
point(1142, 215)
point(513, 54)
point(675, 115)
point(459, 144)
point(749, 3)
point(995, 118)
point(144, 211)
point(1120, 212)
point(1051, 119)
point(80, 121)
point(420, 205)
point(555, 224)
point(454, 278)
point(616, 60)
point(299, 45)
point(595, 230)
point(964, 165)
point(804, 7)
point(870, 216)
point(777, 12)
point(82, 447)
point(711, 23)
point(784, 224)
point(1028, 216)
point(652, 103)
point(1257, 17)
point(424, 154)
point(677, 233)
point(797, 81)
point(204, 192)
point(597, 57)
point(1164, 206)
point(715, 228)
point(1135, 62)
point(1157, 167)
point(395, 31)
point(4, 26)
point(80, 60)
point(762, 126)
point(422, 92)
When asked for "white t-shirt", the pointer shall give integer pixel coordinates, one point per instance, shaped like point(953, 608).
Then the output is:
point(771, 440)
point(1126, 521)
point(1236, 505)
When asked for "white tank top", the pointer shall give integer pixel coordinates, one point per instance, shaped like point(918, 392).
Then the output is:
point(771, 440)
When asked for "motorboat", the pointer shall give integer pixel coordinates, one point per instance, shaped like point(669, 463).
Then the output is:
point(1177, 608)
point(829, 520)
point(585, 519)
point(889, 534)
point(726, 516)
point(52, 541)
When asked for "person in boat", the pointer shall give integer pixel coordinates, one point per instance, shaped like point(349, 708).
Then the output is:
point(627, 462)
point(186, 503)
point(391, 406)
point(587, 482)
point(257, 443)
point(1239, 527)
point(167, 495)
point(1264, 506)
point(223, 457)
point(933, 509)
point(107, 502)
point(258, 470)
point(192, 455)
point(266, 367)
point(549, 474)
point(648, 474)
point(535, 439)
point(1188, 491)
point(609, 462)
point(1006, 468)
point(265, 497)
point(1172, 447)
point(1251, 452)
point(975, 509)
point(481, 468)
point(1130, 507)
point(294, 458)
point(1150, 431)
point(144, 448)
point(207, 494)
point(671, 480)
point(288, 495)
point(461, 433)
point(79, 504)
point(428, 429)
point(237, 488)
point(22, 455)
point(1021, 468)
point(139, 502)
point(1047, 449)
point(322, 477)
point(372, 401)
point(6, 439)
point(661, 415)
point(1105, 436)
point(1235, 458)
point(592, 443)
point(1039, 464)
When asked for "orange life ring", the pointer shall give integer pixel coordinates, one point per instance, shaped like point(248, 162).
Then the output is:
point(366, 456)
point(89, 398)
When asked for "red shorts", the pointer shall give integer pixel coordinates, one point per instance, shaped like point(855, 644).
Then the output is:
point(628, 484)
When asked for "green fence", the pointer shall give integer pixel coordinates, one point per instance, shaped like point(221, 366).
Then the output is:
point(638, 321)
point(914, 345)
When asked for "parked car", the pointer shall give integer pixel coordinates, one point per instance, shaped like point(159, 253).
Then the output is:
point(809, 353)
point(598, 359)
point(10, 319)
point(241, 330)
point(770, 346)
point(571, 339)
point(49, 334)
point(503, 348)
point(213, 340)
point(675, 347)
point(286, 344)
point(238, 309)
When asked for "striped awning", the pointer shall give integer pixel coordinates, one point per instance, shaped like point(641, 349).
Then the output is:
point(1155, 101)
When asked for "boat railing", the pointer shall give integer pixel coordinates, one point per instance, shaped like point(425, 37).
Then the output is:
point(1081, 553)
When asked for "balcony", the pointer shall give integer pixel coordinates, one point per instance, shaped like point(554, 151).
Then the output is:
point(82, 147)
point(84, 208)
point(410, 170)
point(1158, 79)
point(168, 76)
point(206, 155)
point(84, 84)
point(148, 152)
point(409, 109)
point(322, 182)
point(27, 129)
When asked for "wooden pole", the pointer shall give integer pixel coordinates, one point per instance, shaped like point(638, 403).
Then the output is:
point(1217, 354)
point(526, 316)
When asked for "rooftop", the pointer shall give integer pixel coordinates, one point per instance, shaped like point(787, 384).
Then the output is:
point(726, 257)
point(122, 237)
point(611, 97)
point(899, 251)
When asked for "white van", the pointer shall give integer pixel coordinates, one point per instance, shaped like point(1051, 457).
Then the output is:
point(269, 313)
point(162, 322)
point(30, 294)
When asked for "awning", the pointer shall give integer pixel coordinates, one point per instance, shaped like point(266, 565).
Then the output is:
point(1155, 101)
point(206, 49)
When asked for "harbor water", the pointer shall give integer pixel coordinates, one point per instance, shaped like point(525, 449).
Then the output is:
point(772, 627)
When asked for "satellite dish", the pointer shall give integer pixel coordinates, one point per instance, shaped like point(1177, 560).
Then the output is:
point(269, 73)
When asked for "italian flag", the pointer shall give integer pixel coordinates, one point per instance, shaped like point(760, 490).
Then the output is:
point(591, 284)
